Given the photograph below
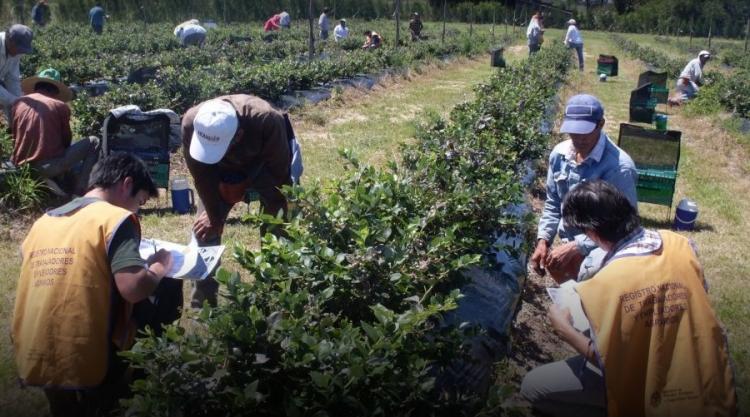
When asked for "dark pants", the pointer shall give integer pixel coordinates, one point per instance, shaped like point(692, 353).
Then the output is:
point(272, 202)
point(97, 29)
point(78, 160)
point(323, 34)
point(579, 50)
point(194, 39)
point(94, 402)
point(163, 307)
point(534, 48)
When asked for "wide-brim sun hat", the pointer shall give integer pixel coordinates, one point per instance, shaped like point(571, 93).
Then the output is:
point(704, 53)
point(50, 76)
point(572, 22)
point(214, 127)
point(582, 114)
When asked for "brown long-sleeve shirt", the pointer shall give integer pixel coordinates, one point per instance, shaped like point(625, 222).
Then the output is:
point(262, 154)
point(41, 128)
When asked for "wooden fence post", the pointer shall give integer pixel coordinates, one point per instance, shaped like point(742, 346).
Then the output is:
point(494, 11)
point(312, 36)
point(747, 32)
point(471, 20)
point(398, 22)
point(20, 15)
point(505, 18)
point(710, 28)
point(445, 14)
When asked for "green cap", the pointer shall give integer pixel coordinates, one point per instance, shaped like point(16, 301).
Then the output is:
point(51, 76)
point(50, 73)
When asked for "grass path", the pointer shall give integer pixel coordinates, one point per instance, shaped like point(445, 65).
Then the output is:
point(713, 171)
point(372, 124)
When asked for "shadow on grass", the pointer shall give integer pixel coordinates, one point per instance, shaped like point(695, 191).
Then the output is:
point(663, 223)
point(159, 211)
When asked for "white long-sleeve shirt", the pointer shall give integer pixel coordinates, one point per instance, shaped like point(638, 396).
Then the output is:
point(573, 35)
point(340, 32)
point(533, 24)
point(10, 75)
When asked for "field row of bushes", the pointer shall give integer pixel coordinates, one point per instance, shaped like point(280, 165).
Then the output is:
point(727, 52)
point(122, 48)
point(186, 76)
point(731, 91)
point(345, 316)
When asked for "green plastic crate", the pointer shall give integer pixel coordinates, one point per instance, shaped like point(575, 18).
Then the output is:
point(660, 94)
point(606, 69)
point(159, 173)
point(656, 186)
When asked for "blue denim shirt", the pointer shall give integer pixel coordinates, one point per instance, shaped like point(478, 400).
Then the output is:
point(606, 162)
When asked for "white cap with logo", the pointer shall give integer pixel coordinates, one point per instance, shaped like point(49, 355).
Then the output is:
point(213, 129)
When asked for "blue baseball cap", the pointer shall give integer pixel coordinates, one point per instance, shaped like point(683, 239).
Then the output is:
point(21, 36)
point(582, 113)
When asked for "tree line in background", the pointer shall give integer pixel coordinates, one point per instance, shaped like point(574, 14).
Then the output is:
point(217, 10)
point(727, 18)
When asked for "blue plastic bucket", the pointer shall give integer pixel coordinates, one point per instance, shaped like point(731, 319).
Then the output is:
point(183, 198)
point(685, 215)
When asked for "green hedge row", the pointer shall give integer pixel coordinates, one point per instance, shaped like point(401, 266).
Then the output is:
point(343, 317)
point(187, 76)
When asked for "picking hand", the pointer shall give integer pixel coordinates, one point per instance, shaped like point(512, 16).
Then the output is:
point(204, 229)
point(539, 256)
point(564, 261)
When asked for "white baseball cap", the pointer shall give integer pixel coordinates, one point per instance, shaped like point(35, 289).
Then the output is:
point(213, 129)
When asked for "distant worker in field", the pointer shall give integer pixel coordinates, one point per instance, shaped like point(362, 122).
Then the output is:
point(535, 33)
point(691, 78)
point(191, 33)
point(81, 278)
point(97, 16)
point(574, 40)
point(415, 27)
point(285, 20)
point(40, 13)
point(14, 42)
point(324, 24)
point(588, 155)
point(654, 346)
point(233, 144)
point(341, 31)
point(277, 22)
point(42, 136)
point(373, 40)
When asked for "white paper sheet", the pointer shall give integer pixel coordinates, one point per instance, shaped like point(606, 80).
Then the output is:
point(566, 296)
point(190, 262)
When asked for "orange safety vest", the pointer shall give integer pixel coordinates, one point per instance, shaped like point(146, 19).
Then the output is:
point(68, 312)
point(663, 349)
